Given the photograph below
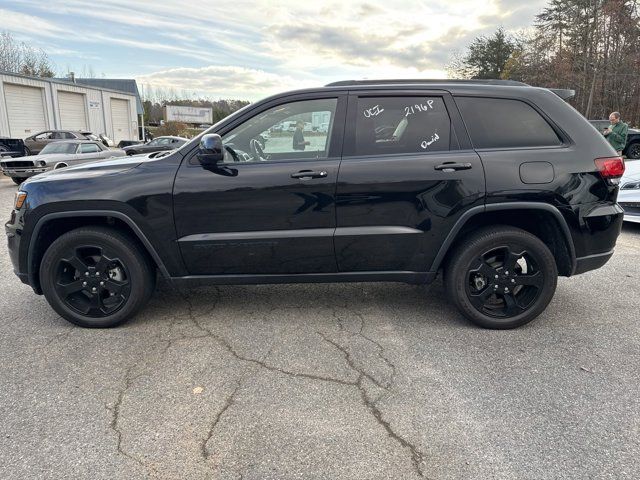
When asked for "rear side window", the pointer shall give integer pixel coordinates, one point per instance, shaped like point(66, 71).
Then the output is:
point(505, 123)
point(394, 125)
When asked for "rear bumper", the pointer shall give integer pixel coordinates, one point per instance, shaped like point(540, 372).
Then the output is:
point(595, 234)
point(591, 262)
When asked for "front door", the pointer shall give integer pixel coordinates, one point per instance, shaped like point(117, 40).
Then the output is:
point(269, 207)
point(408, 174)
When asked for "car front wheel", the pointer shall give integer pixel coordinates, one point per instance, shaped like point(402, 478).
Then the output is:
point(96, 277)
point(501, 277)
point(633, 151)
point(18, 180)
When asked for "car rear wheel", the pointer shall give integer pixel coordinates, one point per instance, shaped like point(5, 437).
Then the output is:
point(634, 151)
point(501, 277)
point(96, 277)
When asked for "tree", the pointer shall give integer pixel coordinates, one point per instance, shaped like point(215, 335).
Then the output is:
point(485, 57)
point(18, 57)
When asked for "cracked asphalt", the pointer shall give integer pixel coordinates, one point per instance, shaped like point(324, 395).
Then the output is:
point(346, 381)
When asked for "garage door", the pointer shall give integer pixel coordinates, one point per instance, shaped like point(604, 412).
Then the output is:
point(73, 112)
point(25, 109)
point(120, 119)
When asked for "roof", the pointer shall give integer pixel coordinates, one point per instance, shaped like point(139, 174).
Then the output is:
point(66, 81)
point(415, 81)
point(563, 93)
point(125, 85)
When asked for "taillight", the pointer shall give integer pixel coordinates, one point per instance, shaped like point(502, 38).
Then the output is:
point(611, 168)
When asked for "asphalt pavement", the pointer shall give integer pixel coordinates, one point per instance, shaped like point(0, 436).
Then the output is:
point(345, 381)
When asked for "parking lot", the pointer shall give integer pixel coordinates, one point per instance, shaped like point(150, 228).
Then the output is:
point(345, 381)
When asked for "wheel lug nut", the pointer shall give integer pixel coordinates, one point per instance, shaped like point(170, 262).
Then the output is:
point(102, 284)
point(496, 276)
point(506, 273)
point(86, 274)
point(495, 286)
point(94, 289)
point(84, 284)
point(513, 280)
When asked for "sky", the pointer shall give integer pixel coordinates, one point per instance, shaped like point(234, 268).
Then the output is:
point(250, 49)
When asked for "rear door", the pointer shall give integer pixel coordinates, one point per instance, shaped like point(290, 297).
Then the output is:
point(408, 174)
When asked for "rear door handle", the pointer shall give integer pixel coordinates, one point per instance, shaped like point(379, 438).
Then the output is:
point(452, 166)
point(304, 174)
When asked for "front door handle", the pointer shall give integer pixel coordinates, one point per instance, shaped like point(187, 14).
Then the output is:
point(304, 174)
point(452, 166)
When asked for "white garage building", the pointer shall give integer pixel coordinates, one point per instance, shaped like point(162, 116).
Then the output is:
point(29, 105)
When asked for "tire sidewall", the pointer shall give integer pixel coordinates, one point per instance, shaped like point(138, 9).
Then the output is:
point(134, 261)
point(456, 279)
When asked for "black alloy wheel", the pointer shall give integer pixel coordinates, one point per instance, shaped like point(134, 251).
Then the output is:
point(96, 276)
point(92, 281)
point(634, 151)
point(501, 277)
point(504, 282)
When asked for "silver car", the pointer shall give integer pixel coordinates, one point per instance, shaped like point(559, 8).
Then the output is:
point(55, 155)
point(629, 196)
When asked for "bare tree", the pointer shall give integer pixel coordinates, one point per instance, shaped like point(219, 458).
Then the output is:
point(18, 57)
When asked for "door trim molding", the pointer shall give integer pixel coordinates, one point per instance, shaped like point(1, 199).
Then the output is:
point(300, 233)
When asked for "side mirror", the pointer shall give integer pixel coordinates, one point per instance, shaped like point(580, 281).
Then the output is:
point(211, 149)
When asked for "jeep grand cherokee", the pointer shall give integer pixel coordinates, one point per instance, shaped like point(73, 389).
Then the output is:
point(499, 185)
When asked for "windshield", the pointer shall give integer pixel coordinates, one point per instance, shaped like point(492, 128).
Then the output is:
point(57, 147)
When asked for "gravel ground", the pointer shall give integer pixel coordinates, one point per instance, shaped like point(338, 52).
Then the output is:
point(347, 381)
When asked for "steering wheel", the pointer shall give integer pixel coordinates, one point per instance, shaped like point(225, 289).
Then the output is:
point(257, 151)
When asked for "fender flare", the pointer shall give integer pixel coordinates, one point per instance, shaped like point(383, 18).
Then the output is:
point(92, 213)
point(493, 207)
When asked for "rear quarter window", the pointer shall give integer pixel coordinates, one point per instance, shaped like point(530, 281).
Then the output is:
point(505, 123)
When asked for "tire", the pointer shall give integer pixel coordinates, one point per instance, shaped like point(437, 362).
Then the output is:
point(514, 298)
point(633, 151)
point(115, 268)
point(18, 180)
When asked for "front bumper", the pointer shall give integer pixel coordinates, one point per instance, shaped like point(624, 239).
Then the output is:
point(23, 172)
point(14, 234)
point(631, 211)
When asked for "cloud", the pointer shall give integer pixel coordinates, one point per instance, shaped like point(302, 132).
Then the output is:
point(221, 81)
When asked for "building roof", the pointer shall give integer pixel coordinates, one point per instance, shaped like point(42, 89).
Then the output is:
point(119, 84)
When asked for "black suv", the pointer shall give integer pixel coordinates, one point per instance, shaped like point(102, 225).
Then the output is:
point(501, 185)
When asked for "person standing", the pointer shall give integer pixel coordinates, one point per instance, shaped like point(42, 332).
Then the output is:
point(616, 133)
point(299, 143)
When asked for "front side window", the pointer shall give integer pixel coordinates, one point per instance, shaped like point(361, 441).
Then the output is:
point(89, 148)
point(396, 125)
point(296, 130)
point(505, 123)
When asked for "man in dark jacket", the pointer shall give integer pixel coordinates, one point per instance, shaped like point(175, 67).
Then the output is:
point(298, 137)
point(616, 133)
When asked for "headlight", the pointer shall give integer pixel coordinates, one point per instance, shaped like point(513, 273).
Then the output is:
point(631, 185)
point(42, 163)
point(19, 200)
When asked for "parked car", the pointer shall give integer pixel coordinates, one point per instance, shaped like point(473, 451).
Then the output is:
point(156, 145)
point(126, 143)
point(629, 196)
point(35, 143)
point(501, 211)
point(12, 147)
point(63, 153)
point(632, 149)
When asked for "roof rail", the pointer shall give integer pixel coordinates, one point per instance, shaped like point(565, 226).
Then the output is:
point(400, 81)
point(563, 93)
